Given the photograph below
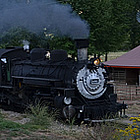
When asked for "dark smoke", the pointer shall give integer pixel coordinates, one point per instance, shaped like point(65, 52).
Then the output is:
point(35, 15)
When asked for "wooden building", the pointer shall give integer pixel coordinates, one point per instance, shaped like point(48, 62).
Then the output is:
point(126, 68)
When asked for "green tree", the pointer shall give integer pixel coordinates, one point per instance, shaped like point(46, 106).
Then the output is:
point(135, 25)
point(64, 43)
point(15, 37)
point(113, 26)
point(109, 22)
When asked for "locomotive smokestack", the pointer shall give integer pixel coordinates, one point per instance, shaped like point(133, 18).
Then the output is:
point(82, 45)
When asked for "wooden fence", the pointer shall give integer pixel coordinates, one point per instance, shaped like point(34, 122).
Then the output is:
point(127, 92)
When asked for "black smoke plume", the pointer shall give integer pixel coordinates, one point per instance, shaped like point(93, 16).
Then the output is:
point(36, 15)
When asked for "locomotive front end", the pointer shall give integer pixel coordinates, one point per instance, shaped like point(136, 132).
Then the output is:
point(95, 99)
point(91, 82)
point(91, 79)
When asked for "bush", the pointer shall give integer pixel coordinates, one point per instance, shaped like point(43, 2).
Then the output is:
point(132, 132)
point(99, 131)
point(40, 115)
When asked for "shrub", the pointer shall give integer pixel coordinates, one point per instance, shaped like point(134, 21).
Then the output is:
point(132, 132)
point(99, 131)
point(40, 115)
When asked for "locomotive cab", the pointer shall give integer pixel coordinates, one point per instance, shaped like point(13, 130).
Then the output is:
point(7, 56)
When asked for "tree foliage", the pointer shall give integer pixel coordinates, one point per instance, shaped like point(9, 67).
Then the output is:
point(15, 37)
point(113, 26)
point(62, 43)
point(109, 20)
point(135, 25)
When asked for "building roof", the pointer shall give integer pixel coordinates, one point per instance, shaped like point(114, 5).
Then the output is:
point(130, 59)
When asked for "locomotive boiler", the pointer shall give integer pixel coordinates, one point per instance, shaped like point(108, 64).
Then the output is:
point(77, 88)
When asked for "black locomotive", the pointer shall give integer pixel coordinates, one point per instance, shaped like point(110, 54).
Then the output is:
point(78, 88)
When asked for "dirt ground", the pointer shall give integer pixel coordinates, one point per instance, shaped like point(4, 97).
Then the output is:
point(133, 110)
point(57, 131)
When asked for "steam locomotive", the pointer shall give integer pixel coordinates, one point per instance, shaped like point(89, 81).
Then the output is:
point(77, 88)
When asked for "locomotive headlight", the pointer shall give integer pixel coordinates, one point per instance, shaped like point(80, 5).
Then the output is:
point(97, 62)
point(67, 100)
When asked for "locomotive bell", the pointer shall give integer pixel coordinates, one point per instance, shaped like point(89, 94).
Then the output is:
point(82, 45)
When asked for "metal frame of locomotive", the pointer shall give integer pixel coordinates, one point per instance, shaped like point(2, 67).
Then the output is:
point(78, 89)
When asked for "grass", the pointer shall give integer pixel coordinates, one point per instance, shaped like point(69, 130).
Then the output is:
point(40, 119)
point(112, 55)
point(43, 127)
point(41, 116)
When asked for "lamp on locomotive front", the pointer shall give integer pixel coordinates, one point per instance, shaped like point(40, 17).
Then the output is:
point(82, 45)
